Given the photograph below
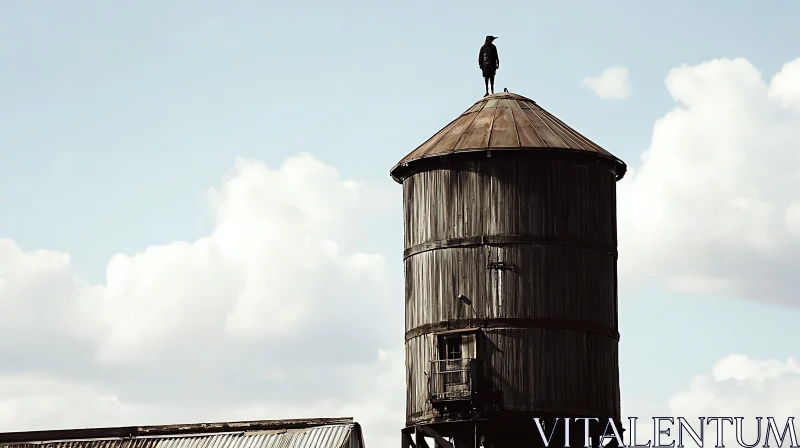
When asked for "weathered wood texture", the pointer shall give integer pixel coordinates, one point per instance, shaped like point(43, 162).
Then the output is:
point(563, 272)
point(504, 120)
point(548, 370)
point(556, 199)
point(544, 281)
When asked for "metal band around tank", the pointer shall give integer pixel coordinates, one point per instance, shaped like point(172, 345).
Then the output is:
point(543, 412)
point(499, 240)
point(511, 323)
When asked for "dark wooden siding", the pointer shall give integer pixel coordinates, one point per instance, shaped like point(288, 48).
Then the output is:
point(529, 369)
point(558, 199)
point(543, 282)
point(560, 257)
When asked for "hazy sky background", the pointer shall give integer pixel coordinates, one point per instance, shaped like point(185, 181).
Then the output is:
point(116, 117)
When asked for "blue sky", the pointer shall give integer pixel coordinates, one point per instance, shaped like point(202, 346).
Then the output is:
point(115, 117)
point(134, 108)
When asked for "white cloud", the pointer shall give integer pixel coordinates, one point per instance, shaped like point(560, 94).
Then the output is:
point(784, 87)
point(611, 84)
point(275, 314)
point(713, 205)
point(36, 401)
point(736, 386)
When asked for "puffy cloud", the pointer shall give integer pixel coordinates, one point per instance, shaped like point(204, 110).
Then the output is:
point(37, 401)
point(277, 313)
point(714, 205)
point(741, 386)
point(46, 312)
point(784, 87)
point(274, 268)
point(611, 84)
point(736, 386)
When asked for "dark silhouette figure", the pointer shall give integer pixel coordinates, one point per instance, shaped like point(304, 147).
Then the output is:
point(489, 62)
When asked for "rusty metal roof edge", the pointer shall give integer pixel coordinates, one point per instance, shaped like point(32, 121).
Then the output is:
point(127, 432)
point(623, 168)
point(473, 151)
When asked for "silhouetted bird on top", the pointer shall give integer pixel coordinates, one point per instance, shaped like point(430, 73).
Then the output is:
point(489, 62)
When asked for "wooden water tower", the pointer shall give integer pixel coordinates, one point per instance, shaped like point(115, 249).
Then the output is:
point(511, 278)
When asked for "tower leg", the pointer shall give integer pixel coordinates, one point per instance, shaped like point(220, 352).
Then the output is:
point(408, 440)
point(421, 443)
point(466, 438)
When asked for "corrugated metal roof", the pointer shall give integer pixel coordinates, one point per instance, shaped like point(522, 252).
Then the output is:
point(504, 121)
point(317, 433)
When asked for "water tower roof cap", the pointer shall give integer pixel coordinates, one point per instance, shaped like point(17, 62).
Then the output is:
point(504, 121)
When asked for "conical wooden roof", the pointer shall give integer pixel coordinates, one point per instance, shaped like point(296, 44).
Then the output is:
point(505, 121)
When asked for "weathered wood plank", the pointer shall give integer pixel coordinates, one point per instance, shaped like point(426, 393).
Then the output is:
point(527, 134)
point(477, 135)
point(482, 226)
point(543, 130)
point(548, 200)
point(504, 130)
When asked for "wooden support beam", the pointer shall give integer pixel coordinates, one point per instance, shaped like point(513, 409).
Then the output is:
point(435, 435)
point(408, 442)
point(421, 442)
